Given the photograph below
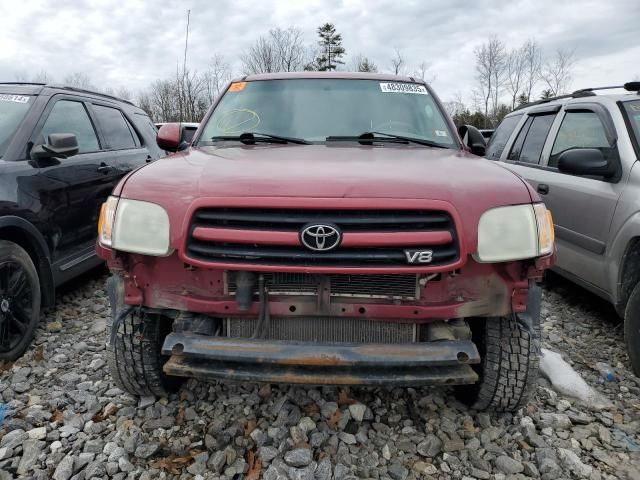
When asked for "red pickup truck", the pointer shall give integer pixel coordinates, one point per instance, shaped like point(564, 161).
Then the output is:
point(327, 228)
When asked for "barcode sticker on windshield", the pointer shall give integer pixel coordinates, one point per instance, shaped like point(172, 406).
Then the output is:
point(13, 98)
point(403, 88)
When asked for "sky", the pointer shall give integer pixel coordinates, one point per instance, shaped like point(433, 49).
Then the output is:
point(132, 43)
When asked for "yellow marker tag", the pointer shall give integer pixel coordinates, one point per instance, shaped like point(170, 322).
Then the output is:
point(237, 86)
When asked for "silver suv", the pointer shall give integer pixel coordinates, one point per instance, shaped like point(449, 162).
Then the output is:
point(580, 152)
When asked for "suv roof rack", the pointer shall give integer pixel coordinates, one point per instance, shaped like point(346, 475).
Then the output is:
point(577, 94)
point(584, 92)
point(22, 83)
point(67, 87)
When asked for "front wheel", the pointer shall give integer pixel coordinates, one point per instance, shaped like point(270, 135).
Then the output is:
point(134, 344)
point(510, 355)
point(19, 300)
point(632, 329)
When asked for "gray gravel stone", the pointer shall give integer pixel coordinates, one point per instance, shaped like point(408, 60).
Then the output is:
point(509, 465)
point(13, 438)
point(30, 451)
point(397, 471)
point(559, 421)
point(146, 450)
point(299, 457)
point(267, 453)
point(217, 461)
point(357, 411)
point(431, 446)
point(65, 468)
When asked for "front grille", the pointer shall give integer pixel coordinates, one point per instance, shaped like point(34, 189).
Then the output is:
point(402, 287)
point(329, 329)
point(253, 221)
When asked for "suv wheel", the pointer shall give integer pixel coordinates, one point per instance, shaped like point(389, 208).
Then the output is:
point(632, 329)
point(19, 300)
point(509, 366)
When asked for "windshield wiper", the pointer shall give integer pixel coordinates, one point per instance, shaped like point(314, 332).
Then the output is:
point(367, 138)
point(249, 138)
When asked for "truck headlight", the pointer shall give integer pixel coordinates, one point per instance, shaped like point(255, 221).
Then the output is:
point(134, 226)
point(514, 233)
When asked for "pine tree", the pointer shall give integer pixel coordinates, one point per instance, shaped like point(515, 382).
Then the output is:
point(365, 65)
point(522, 99)
point(331, 49)
point(546, 94)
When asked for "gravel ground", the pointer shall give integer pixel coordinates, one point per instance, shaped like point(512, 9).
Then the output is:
point(66, 419)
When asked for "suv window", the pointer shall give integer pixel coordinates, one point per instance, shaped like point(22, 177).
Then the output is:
point(501, 136)
point(68, 116)
point(528, 145)
point(13, 108)
point(117, 133)
point(580, 130)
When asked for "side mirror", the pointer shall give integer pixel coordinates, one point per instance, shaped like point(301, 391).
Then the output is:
point(586, 161)
point(473, 139)
point(57, 145)
point(169, 137)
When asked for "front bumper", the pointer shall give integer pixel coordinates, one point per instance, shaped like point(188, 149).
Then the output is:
point(272, 361)
point(473, 291)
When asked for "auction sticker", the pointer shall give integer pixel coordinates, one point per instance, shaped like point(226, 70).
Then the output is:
point(13, 98)
point(395, 87)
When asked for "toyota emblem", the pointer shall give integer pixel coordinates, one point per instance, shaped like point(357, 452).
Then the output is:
point(320, 237)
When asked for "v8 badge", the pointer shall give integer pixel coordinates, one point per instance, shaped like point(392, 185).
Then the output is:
point(419, 256)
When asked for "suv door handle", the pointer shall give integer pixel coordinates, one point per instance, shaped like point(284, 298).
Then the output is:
point(104, 168)
point(543, 188)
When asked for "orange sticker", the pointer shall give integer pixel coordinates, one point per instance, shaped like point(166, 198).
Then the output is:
point(237, 86)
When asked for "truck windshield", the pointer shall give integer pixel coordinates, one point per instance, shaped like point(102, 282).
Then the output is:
point(314, 109)
point(633, 110)
point(13, 108)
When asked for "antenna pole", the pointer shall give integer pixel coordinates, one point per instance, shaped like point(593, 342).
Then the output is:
point(184, 67)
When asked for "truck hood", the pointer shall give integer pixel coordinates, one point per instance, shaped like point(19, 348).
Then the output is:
point(327, 171)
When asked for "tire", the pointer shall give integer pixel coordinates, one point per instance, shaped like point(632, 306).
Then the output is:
point(134, 356)
point(632, 329)
point(510, 358)
point(20, 299)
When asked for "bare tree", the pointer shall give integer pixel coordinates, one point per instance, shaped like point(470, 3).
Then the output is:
point(42, 77)
point(278, 51)
point(455, 106)
point(397, 62)
point(533, 64)
point(123, 93)
point(191, 97)
point(216, 77)
point(163, 98)
point(556, 73)
point(516, 73)
point(490, 73)
point(79, 80)
point(289, 47)
point(260, 57)
point(145, 102)
point(422, 72)
point(21, 76)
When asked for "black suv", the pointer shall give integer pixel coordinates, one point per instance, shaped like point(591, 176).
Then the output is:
point(62, 150)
